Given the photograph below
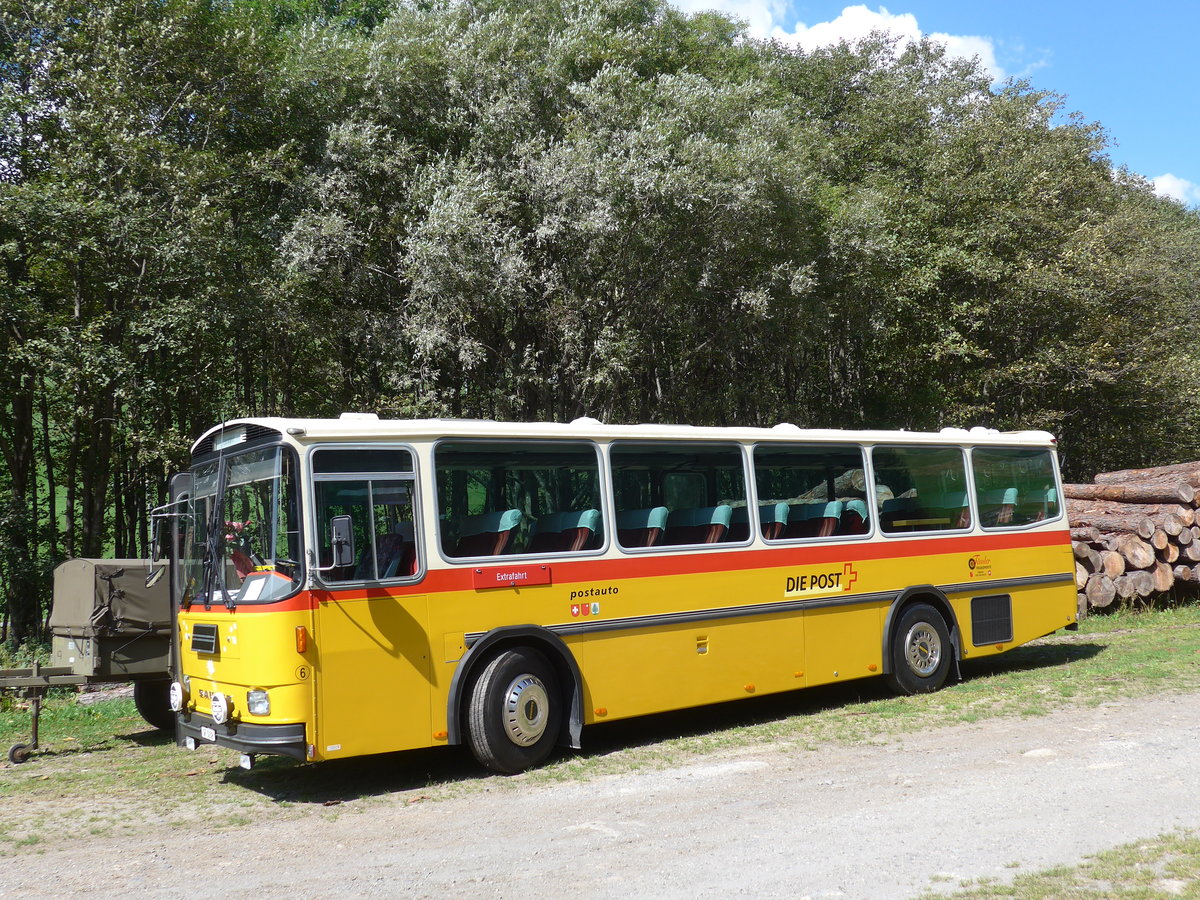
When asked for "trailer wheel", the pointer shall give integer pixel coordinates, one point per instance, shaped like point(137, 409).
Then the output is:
point(18, 753)
point(153, 701)
point(514, 711)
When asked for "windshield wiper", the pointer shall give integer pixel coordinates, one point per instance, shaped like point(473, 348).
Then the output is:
point(214, 563)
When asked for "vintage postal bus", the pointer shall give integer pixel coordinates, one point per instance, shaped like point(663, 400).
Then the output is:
point(353, 586)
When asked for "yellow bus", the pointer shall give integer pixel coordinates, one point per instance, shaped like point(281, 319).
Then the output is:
point(355, 585)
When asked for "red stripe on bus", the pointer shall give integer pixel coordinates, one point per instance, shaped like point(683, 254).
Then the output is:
point(659, 565)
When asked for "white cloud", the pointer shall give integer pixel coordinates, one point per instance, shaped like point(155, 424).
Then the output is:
point(1177, 188)
point(764, 18)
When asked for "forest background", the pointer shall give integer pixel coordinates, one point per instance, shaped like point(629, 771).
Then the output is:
point(540, 209)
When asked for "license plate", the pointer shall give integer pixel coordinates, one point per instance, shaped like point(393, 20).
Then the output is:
point(209, 734)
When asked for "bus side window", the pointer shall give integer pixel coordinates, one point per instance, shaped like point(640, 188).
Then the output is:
point(518, 497)
point(374, 487)
point(1015, 486)
point(678, 494)
point(820, 489)
point(921, 489)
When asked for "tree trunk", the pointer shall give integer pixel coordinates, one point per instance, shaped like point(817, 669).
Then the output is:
point(1142, 526)
point(1188, 471)
point(1167, 491)
point(19, 528)
point(1086, 555)
point(1100, 591)
point(1143, 583)
point(1138, 554)
point(1124, 587)
point(1163, 577)
point(1112, 563)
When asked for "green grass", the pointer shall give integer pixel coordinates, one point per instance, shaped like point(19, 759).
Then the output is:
point(103, 771)
point(1164, 867)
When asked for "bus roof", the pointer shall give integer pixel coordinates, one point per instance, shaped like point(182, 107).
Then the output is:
point(369, 427)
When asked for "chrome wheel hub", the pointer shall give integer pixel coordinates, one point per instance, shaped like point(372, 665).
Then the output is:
point(923, 649)
point(526, 707)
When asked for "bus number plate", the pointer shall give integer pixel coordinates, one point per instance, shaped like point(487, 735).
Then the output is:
point(209, 734)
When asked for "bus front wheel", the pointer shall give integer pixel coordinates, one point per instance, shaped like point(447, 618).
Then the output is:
point(514, 711)
point(920, 651)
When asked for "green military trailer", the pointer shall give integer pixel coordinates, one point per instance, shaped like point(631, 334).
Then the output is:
point(110, 622)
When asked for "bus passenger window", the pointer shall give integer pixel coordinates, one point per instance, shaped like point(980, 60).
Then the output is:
point(518, 497)
point(374, 487)
point(677, 494)
point(811, 490)
point(1015, 486)
point(921, 489)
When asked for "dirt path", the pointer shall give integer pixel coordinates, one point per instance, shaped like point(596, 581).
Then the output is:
point(886, 820)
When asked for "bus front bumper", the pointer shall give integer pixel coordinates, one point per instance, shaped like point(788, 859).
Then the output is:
point(194, 730)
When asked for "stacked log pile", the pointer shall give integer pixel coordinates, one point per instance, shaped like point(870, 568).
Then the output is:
point(1135, 533)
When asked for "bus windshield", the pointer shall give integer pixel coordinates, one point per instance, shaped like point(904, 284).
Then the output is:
point(242, 536)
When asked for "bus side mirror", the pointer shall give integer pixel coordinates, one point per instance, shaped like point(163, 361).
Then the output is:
point(156, 539)
point(341, 538)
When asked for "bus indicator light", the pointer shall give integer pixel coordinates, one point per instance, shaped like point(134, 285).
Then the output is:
point(440, 735)
point(301, 639)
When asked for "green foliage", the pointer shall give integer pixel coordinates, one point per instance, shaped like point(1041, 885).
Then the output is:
point(541, 209)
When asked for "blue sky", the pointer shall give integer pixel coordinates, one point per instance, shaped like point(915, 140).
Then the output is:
point(1131, 67)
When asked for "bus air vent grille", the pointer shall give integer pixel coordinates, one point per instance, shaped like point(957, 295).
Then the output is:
point(991, 619)
point(253, 433)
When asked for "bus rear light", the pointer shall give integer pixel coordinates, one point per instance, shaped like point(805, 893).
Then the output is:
point(258, 703)
point(301, 639)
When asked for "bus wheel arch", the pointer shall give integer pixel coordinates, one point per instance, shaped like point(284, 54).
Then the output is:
point(514, 637)
point(897, 630)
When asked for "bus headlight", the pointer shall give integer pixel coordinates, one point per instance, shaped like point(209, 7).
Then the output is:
point(220, 708)
point(258, 703)
point(176, 696)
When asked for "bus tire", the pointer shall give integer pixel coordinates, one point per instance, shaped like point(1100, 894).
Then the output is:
point(920, 650)
point(153, 702)
point(514, 711)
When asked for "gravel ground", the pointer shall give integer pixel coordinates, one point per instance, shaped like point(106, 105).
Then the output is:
point(885, 820)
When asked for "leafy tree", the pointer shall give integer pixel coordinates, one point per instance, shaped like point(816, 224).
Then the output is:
point(534, 209)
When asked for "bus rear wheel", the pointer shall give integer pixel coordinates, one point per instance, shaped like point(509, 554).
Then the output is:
point(514, 711)
point(920, 650)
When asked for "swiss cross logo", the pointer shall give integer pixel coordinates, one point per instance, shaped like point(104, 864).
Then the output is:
point(575, 610)
point(849, 576)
